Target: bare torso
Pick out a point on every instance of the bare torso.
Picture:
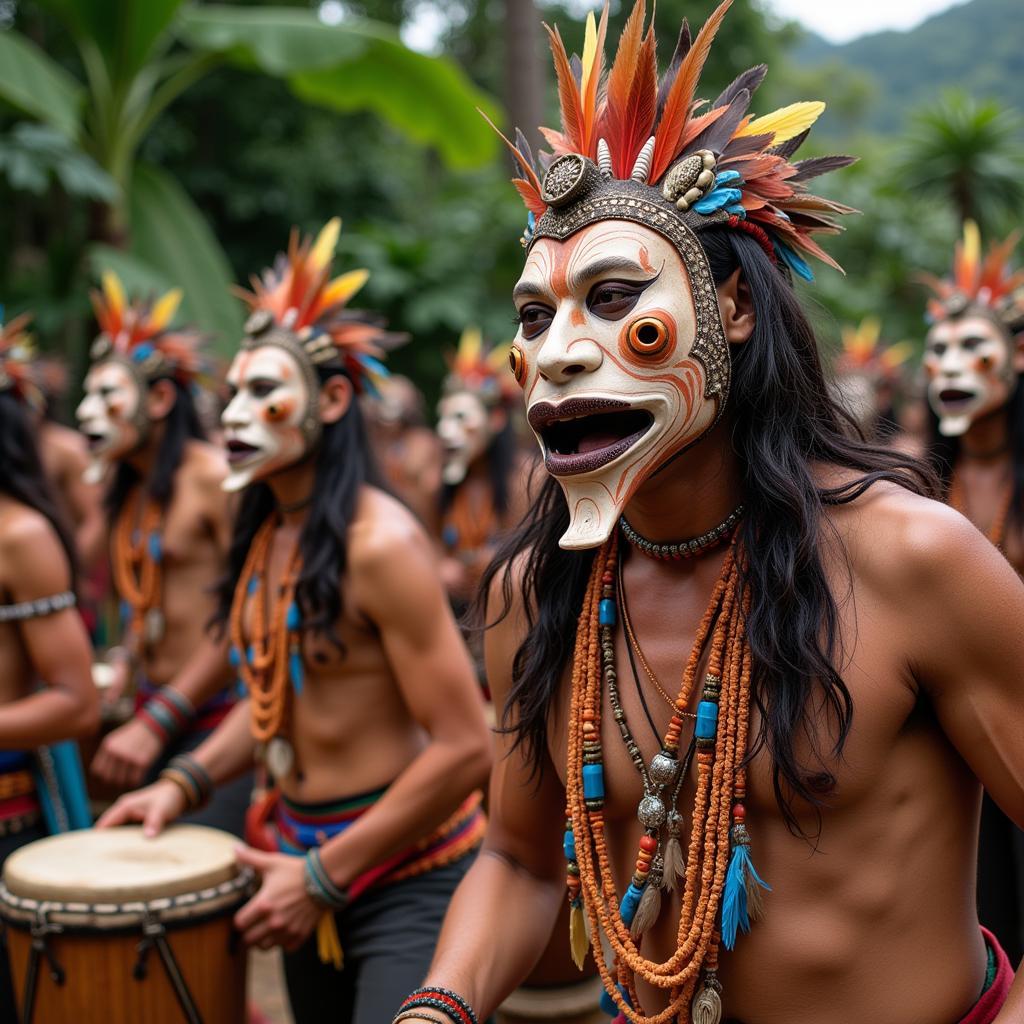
(193, 553)
(873, 919)
(352, 729)
(16, 676)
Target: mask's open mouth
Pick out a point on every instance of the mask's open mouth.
(239, 451)
(95, 441)
(954, 397)
(581, 435)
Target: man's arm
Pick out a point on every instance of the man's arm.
(395, 585)
(57, 645)
(969, 657)
(501, 917)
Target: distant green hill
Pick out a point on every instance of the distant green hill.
(976, 46)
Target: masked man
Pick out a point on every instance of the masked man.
(973, 358)
(728, 635)
(867, 379)
(169, 535)
(42, 637)
(484, 477)
(361, 701)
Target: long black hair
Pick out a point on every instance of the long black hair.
(944, 451)
(181, 425)
(783, 421)
(343, 465)
(501, 457)
(21, 471)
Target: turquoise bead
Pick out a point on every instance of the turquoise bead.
(707, 720)
(630, 902)
(606, 612)
(156, 551)
(234, 657)
(294, 620)
(593, 782)
(569, 845)
(296, 670)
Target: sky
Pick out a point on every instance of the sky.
(839, 20)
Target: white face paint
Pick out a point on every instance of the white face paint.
(464, 427)
(612, 391)
(969, 364)
(262, 422)
(108, 415)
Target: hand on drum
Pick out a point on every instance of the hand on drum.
(155, 806)
(126, 755)
(280, 914)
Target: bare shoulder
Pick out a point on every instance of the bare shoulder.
(384, 533)
(69, 443)
(30, 550)
(205, 463)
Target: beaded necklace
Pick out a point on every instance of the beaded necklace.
(270, 665)
(136, 562)
(997, 531)
(669, 551)
(719, 892)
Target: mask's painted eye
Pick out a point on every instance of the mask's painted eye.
(612, 300)
(648, 337)
(534, 320)
(517, 362)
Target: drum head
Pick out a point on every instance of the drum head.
(120, 865)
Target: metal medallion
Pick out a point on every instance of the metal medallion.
(651, 812)
(280, 757)
(153, 626)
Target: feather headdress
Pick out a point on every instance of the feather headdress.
(864, 351)
(296, 298)
(709, 164)
(18, 361)
(485, 372)
(139, 332)
(985, 282)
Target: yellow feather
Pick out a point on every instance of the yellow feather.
(113, 290)
(785, 123)
(325, 244)
(342, 288)
(589, 52)
(870, 330)
(164, 309)
(972, 245)
(470, 345)
(898, 354)
(497, 358)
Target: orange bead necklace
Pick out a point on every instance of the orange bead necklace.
(136, 556)
(997, 531)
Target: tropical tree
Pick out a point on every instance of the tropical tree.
(968, 153)
(138, 56)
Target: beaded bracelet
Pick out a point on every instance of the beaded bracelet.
(444, 999)
(420, 1015)
(167, 714)
(190, 777)
(319, 887)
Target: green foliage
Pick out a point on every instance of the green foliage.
(37, 86)
(32, 156)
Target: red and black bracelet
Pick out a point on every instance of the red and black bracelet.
(450, 1003)
(167, 714)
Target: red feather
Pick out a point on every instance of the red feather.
(568, 92)
(697, 124)
(531, 196)
(680, 98)
(632, 94)
(528, 172)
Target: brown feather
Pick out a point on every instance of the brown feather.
(681, 95)
(815, 165)
(667, 79)
(528, 172)
(568, 91)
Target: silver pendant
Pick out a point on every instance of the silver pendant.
(651, 811)
(280, 757)
(663, 769)
(153, 626)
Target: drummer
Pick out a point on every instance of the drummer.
(169, 535)
(362, 699)
(42, 637)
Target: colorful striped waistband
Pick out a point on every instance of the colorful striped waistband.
(208, 716)
(303, 826)
(19, 800)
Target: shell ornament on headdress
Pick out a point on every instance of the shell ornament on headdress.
(296, 305)
(864, 351)
(18, 361)
(986, 284)
(481, 371)
(138, 333)
(639, 148)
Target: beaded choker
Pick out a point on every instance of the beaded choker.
(676, 550)
(720, 889)
(270, 665)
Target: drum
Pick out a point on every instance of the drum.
(557, 991)
(109, 927)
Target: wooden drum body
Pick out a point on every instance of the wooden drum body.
(108, 927)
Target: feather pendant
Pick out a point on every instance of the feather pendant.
(681, 94)
(675, 866)
(741, 874)
(648, 911)
(579, 943)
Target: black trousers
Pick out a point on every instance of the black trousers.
(8, 844)
(388, 936)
